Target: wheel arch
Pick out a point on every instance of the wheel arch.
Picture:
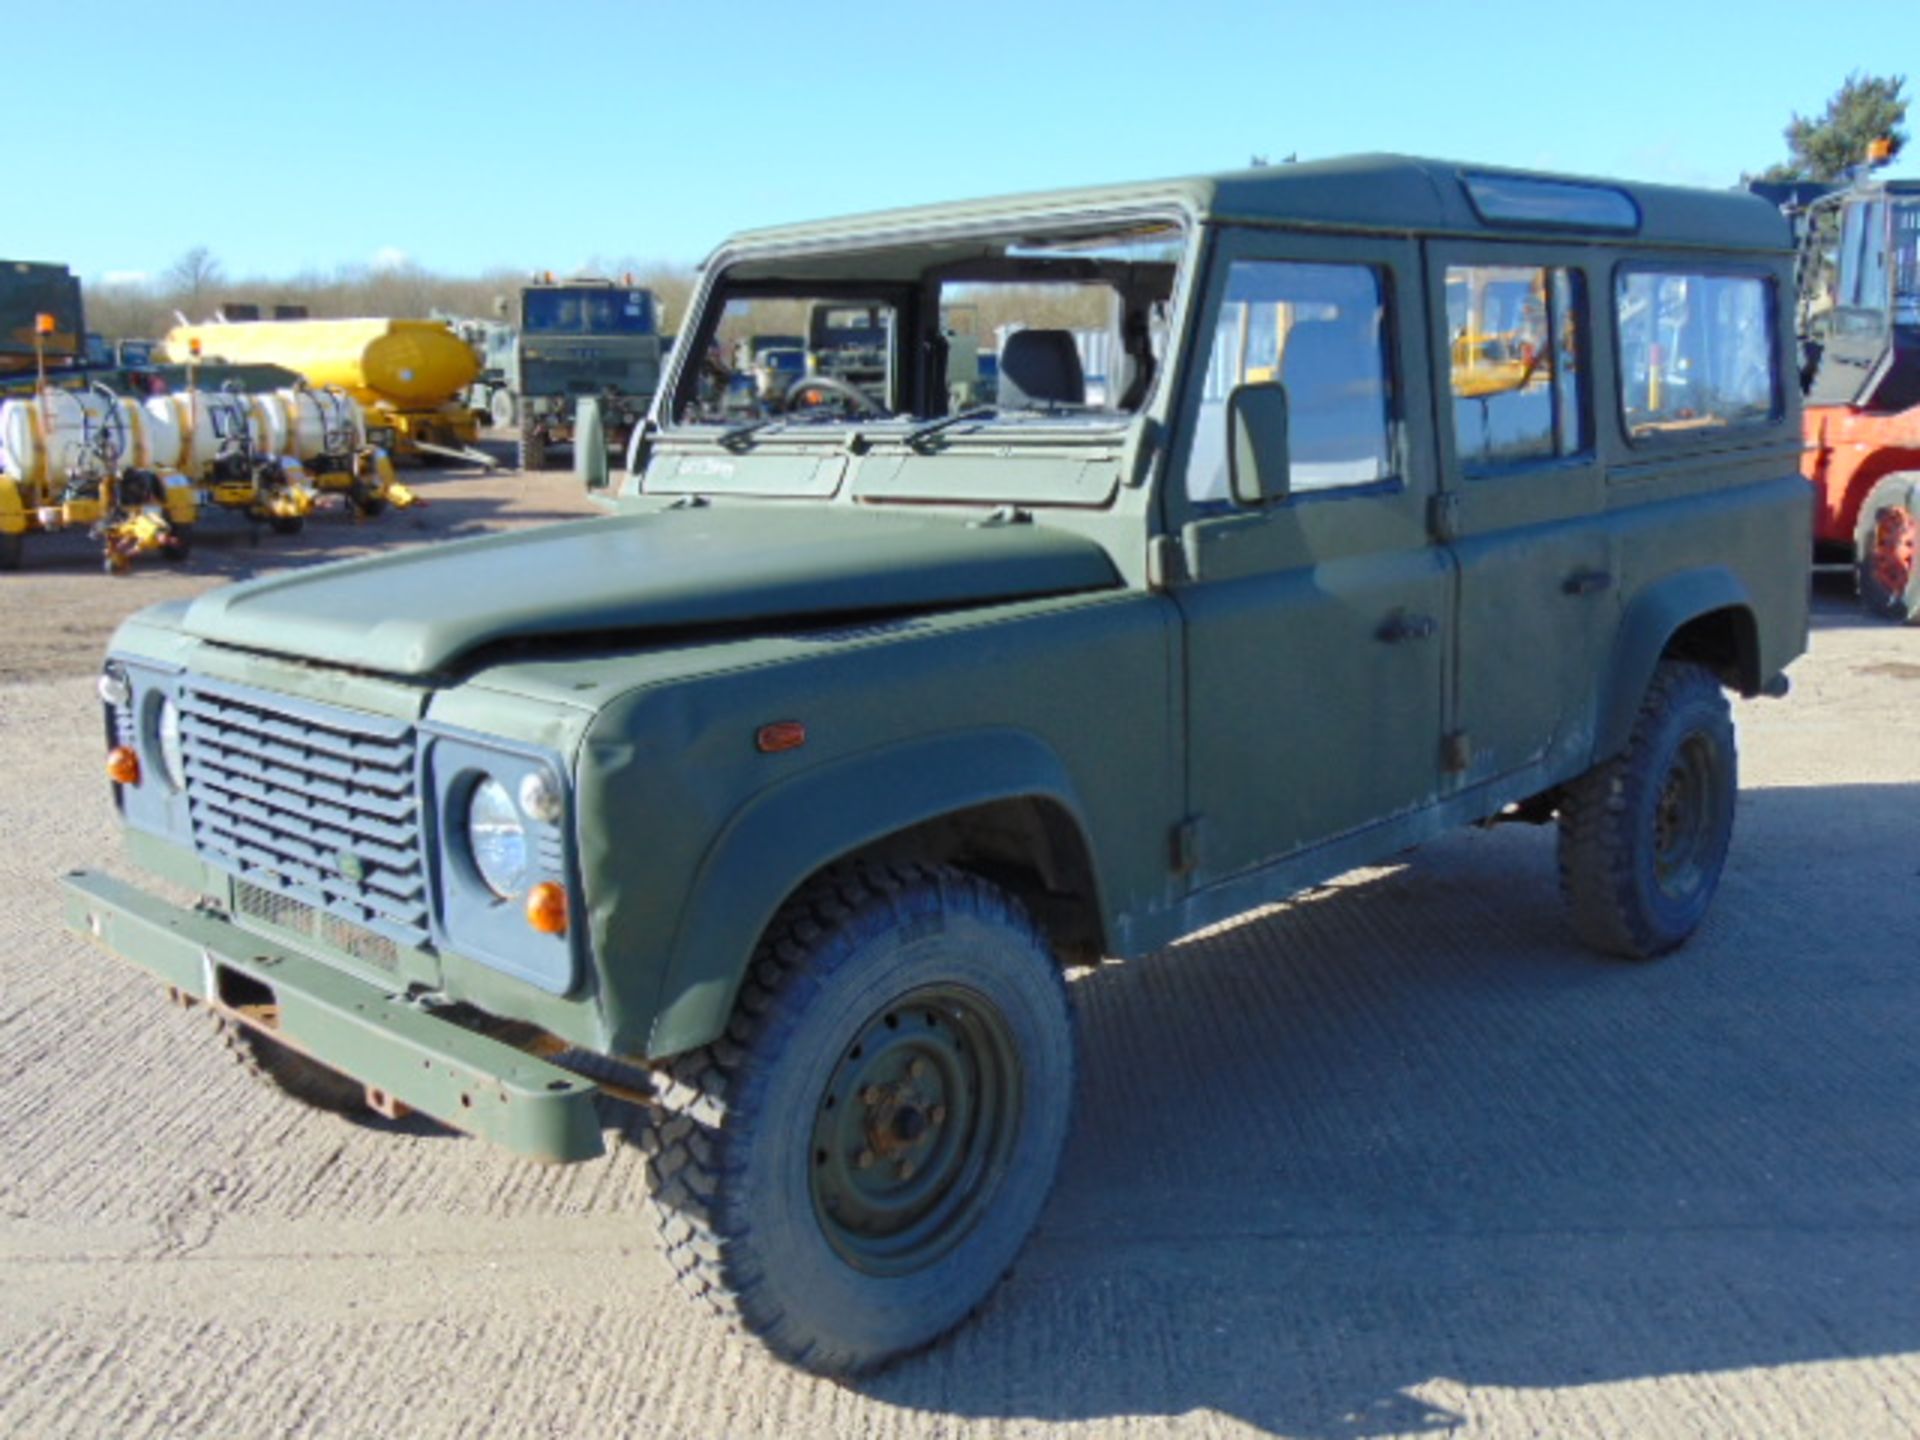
(1704, 615)
(999, 803)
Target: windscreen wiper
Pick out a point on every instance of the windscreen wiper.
(732, 438)
(921, 433)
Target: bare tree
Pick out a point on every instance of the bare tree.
(193, 277)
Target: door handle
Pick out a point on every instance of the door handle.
(1587, 582)
(1401, 626)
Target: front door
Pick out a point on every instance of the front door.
(1317, 628)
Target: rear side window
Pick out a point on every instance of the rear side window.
(1515, 336)
(1321, 331)
(1696, 351)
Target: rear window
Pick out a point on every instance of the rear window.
(1697, 351)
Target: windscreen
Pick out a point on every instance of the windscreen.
(595, 311)
(1070, 327)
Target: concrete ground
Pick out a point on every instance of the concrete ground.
(1394, 1158)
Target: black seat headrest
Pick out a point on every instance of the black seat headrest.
(1041, 366)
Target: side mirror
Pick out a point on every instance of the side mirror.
(1258, 462)
(590, 446)
(500, 306)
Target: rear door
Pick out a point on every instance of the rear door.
(1539, 594)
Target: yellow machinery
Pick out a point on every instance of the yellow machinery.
(72, 460)
(407, 374)
(266, 455)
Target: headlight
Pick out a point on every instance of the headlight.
(173, 759)
(497, 839)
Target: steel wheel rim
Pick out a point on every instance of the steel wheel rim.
(1683, 819)
(913, 1130)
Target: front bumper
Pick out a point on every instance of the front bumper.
(429, 1064)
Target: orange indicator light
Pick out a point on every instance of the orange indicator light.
(780, 736)
(43, 324)
(547, 908)
(123, 766)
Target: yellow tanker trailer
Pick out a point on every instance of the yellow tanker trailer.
(407, 374)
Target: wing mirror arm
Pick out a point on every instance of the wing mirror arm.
(1258, 460)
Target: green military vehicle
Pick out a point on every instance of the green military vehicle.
(783, 796)
(567, 340)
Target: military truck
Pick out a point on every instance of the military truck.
(569, 339)
(782, 798)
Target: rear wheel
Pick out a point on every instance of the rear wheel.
(290, 1072)
(12, 548)
(848, 1174)
(1644, 836)
(1887, 548)
(179, 544)
(286, 524)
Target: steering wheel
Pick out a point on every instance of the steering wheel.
(856, 399)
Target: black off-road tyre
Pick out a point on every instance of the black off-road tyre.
(12, 549)
(179, 545)
(771, 1203)
(533, 449)
(1644, 836)
(290, 1072)
(286, 524)
(1885, 541)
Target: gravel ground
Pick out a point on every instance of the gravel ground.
(1393, 1158)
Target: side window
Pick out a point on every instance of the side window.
(1696, 351)
(1515, 335)
(1321, 331)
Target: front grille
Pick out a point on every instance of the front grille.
(310, 804)
(274, 908)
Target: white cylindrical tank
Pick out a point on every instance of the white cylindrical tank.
(321, 422)
(50, 434)
(199, 424)
(159, 437)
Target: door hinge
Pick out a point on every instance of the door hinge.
(1456, 752)
(1183, 850)
(1443, 517)
(1166, 562)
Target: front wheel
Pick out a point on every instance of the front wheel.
(12, 548)
(850, 1172)
(1644, 836)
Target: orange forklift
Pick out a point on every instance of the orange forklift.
(1858, 315)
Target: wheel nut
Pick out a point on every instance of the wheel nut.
(870, 1095)
(864, 1160)
(918, 1069)
(938, 1114)
(904, 1169)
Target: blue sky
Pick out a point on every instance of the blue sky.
(464, 137)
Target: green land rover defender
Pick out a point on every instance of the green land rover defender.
(779, 800)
